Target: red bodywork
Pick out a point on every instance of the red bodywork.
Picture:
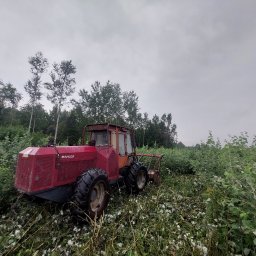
(49, 172)
(43, 168)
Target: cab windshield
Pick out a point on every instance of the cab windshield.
(99, 137)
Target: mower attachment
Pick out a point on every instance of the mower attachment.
(153, 164)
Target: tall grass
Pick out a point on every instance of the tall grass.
(205, 205)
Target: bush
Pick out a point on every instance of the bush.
(11, 132)
(174, 160)
(231, 200)
(39, 139)
(9, 149)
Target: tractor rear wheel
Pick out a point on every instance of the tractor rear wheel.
(91, 195)
(136, 178)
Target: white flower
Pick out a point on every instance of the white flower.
(205, 250)
(119, 245)
(17, 233)
(70, 242)
(61, 212)
(76, 229)
(39, 217)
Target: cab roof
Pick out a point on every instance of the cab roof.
(106, 126)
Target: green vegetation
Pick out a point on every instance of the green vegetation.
(211, 212)
(101, 104)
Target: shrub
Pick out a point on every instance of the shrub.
(231, 200)
(11, 132)
(9, 148)
(174, 160)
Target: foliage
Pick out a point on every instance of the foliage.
(163, 220)
(9, 99)
(9, 95)
(130, 103)
(41, 119)
(61, 86)
(208, 157)
(11, 132)
(103, 103)
(232, 197)
(107, 103)
(39, 65)
(12, 141)
(9, 148)
(159, 132)
(209, 213)
(62, 82)
(38, 139)
(175, 161)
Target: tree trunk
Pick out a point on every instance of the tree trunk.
(57, 125)
(31, 116)
(143, 137)
(34, 125)
(11, 115)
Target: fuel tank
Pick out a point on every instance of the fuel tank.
(44, 168)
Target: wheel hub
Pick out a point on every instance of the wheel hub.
(97, 196)
(141, 179)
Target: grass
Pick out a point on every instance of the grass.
(164, 220)
(211, 212)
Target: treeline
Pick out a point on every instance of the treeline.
(103, 103)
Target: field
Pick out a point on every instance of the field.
(205, 205)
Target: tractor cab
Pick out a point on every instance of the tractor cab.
(119, 138)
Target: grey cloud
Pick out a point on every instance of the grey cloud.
(195, 59)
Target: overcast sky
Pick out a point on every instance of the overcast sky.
(195, 59)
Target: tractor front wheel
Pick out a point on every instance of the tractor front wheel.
(91, 195)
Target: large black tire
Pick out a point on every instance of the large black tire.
(136, 178)
(91, 195)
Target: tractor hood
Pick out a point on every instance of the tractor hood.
(42, 168)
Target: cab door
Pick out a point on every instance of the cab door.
(118, 141)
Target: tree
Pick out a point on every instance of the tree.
(72, 130)
(61, 86)
(103, 103)
(1, 95)
(39, 64)
(130, 103)
(40, 120)
(157, 131)
(9, 97)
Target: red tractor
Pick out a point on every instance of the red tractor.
(83, 174)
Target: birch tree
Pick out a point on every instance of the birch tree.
(62, 85)
(39, 64)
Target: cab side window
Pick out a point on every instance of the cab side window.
(121, 144)
(128, 143)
